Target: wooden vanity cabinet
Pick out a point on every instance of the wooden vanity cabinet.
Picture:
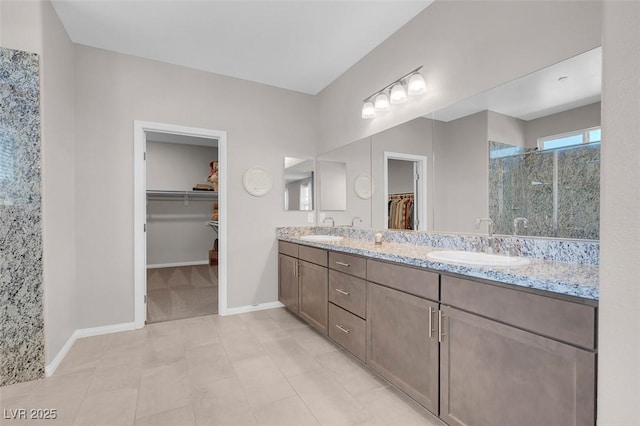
(402, 337)
(474, 352)
(314, 302)
(303, 282)
(288, 286)
(494, 371)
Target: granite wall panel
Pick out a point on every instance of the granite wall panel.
(21, 319)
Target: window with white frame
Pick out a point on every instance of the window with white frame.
(563, 140)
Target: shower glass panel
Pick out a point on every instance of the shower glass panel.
(557, 190)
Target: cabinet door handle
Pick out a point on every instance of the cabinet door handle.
(295, 271)
(346, 265)
(341, 291)
(440, 326)
(341, 328)
(431, 312)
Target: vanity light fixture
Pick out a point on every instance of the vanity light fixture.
(416, 84)
(398, 94)
(382, 102)
(410, 84)
(368, 110)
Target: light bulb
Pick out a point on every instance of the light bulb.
(382, 102)
(398, 94)
(368, 111)
(416, 85)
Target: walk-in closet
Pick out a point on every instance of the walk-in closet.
(181, 226)
(402, 184)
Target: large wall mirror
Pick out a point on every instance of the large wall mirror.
(529, 148)
(298, 184)
(342, 185)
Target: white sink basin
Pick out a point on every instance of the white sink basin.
(321, 238)
(476, 259)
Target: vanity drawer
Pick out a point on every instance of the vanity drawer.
(290, 249)
(349, 264)
(348, 292)
(348, 330)
(404, 278)
(562, 320)
(313, 255)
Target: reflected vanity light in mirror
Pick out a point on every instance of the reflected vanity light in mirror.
(298, 184)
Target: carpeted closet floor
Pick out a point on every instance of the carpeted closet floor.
(181, 292)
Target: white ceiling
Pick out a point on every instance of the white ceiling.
(300, 45)
(540, 93)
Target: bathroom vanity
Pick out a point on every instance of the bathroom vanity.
(465, 343)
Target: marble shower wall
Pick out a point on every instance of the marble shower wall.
(21, 319)
(524, 185)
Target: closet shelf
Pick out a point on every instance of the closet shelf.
(186, 196)
(201, 194)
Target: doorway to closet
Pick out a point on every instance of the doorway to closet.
(179, 185)
(405, 191)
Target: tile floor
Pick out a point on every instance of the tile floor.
(260, 368)
(181, 292)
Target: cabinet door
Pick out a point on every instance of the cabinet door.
(314, 295)
(399, 347)
(495, 374)
(288, 282)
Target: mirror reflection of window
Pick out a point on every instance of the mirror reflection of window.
(305, 196)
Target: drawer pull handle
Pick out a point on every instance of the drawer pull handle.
(440, 326)
(341, 291)
(346, 265)
(341, 328)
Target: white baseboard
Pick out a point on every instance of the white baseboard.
(127, 326)
(176, 264)
(79, 334)
(251, 308)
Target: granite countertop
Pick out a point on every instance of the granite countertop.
(572, 279)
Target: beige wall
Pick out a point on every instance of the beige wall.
(562, 122)
(461, 173)
(619, 317)
(263, 125)
(357, 157)
(21, 25)
(178, 167)
(505, 129)
(466, 47)
(58, 185)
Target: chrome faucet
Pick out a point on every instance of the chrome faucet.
(354, 220)
(517, 220)
(489, 230)
(333, 222)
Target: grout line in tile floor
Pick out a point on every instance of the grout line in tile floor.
(259, 368)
